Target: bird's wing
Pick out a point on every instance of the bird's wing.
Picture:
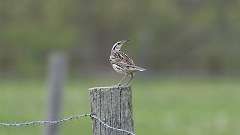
(125, 59)
(138, 68)
(128, 67)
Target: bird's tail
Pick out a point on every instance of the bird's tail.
(139, 68)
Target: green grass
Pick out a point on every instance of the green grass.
(170, 106)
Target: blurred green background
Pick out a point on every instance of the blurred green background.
(190, 48)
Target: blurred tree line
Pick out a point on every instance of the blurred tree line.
(166, 35)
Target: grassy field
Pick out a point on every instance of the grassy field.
(170, 106)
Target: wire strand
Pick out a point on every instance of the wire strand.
(42, 123)
(61, 121)
(108, 126)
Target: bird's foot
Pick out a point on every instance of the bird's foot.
(124, 85)
(121, 85)
(118, 85)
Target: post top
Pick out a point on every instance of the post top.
(109, 87)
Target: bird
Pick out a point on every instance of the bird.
(122, 63)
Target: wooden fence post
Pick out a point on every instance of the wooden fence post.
(113, 105)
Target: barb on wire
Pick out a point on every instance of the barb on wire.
(108, 126)
(43, 123)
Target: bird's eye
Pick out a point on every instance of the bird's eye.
(118, 43)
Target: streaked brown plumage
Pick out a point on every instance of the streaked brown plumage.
(122, 63)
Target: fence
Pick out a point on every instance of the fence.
(59, 122)
(111, 107)
(102, 104)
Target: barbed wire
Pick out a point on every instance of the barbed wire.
(106, 125)
(61, 121)
(43, 123)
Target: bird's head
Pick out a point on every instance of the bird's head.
(117, 46)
